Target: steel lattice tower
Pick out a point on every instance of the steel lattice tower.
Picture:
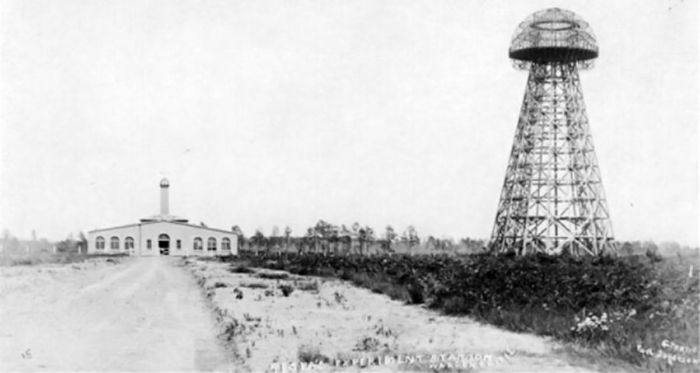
(552, 199)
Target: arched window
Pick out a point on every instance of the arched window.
(114, 243)
(100, 243)
(225, 244)
(197, 245)
(129, 243)
(211, 244)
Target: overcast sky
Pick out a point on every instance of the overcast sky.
(266, 113)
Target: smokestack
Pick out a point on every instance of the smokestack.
(164, 204)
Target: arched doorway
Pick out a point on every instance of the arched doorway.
(164, 244)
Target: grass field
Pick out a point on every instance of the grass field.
(640, 309)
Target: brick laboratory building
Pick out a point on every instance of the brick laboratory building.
(162, 234)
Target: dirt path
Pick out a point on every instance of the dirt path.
(140, 314)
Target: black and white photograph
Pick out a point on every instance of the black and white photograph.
(294, 186)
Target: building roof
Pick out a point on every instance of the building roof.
(159, 217)
(161, 221)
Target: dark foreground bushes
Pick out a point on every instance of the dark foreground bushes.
(635, 308)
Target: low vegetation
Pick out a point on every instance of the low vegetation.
(643, 309)
(254, 285)
(47, 258)
(241, 269)
(273, 276)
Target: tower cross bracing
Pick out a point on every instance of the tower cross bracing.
(552, 198)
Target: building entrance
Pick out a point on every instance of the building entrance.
(164, 244)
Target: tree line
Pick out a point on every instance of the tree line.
(327, 238)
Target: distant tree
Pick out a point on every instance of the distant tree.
(472, 246)
(410, 236)
(334, 238)
(669, 248)
(323, 232)
(69, 245)
(258, 240)
(430, 243)
(5, 240)
(310, 240)
(652, 251)
(82, 242)
(345, 239)
(240, 236)
(287, 237)
(626, 249)
(389, 237)
(650, 246)
(10, 242)
(365, 236)
(275, 231)
(355, 236)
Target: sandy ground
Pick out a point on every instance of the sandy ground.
(138, 314)
(150, 314)
(342, 322)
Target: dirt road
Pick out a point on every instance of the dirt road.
(139, 314)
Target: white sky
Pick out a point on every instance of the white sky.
(267, 113)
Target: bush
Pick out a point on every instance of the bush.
(308, 286)
(241, 269)
(311, 354)
(238, 293)
(286, 289)
(254, 285)
(273, 276)
(367, 344)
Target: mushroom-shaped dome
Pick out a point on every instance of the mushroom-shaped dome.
(164, 183)
(553, 35)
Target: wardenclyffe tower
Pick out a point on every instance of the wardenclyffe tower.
(552, 198)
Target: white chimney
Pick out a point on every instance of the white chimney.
(164, 204)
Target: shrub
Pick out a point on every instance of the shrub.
(232, 329)
(241, 269)
(286, 289)
(339, 298)
(311, 354)
(273, 276)
(368, 344)
(254, 285)
(308, 286)
(238, 293)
